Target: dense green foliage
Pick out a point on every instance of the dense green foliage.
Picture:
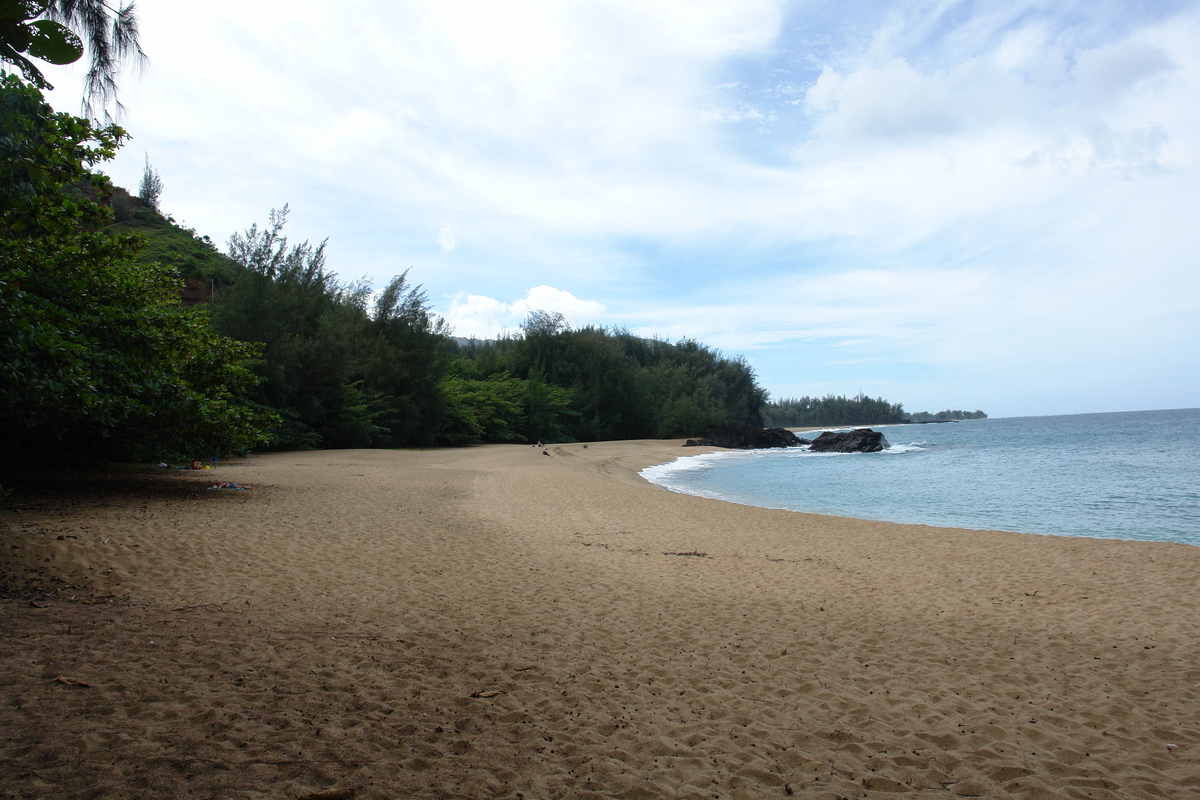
(804, 412)
(340, 373)
(97, 355)
(343, 372)
(343, 366)
(594, 384)
(944, 416)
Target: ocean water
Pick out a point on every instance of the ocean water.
(1123, 475)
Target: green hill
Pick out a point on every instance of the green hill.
(196, 258)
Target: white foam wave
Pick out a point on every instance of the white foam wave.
(912, 447)
(661, 472)
(663, 475)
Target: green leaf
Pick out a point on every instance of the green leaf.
(54, 43)
(17, 35)
(28, 68)
(22, 9)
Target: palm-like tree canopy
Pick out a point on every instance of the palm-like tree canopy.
(110, 39)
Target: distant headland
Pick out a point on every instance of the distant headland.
(835, 410)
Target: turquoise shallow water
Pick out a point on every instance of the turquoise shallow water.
(1123, 475)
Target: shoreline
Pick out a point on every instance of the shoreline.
(1021, 488)
(488, 621)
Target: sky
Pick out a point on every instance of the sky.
(948, 204)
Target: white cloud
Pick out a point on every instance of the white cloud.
(547, 298)
(446, 239)
(479, 317)
(730, 115)
(485, 317)
(890, 101)
(1106, 74)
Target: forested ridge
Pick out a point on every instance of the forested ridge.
(831, 410)
(346, 366)
(296, 357)
(797, 412)
(948, 415)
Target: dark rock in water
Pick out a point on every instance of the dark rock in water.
(745, 437)
(860, 440)
(778, 437)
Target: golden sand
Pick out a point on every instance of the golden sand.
(492, 622)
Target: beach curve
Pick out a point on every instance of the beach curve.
(490, 621)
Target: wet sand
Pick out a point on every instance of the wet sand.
(492, 622)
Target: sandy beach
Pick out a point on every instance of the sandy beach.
(490, 622)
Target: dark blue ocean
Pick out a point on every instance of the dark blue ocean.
(1123, 475)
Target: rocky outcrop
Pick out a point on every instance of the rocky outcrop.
(860, 440)
(745, 437)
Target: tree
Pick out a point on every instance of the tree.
(341, 374)
(401, 357)
(152, 186)
(591, 384)
(793, 412)
(544, 323)
(110, 37)
(280, 302)
(97, 355)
